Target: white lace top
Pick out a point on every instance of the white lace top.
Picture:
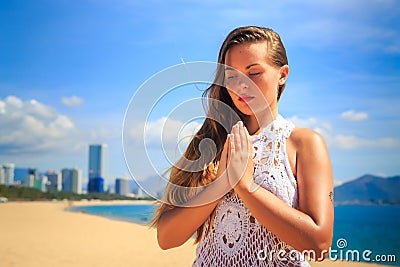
(235, 237)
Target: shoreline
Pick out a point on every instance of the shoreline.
(79, 207)
(75, 203)
(45, 233)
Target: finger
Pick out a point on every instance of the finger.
(249, 141)
(243, 137)
(224, 153)
(228, 149)
(232, 138)
(237, 139)
(222, 162)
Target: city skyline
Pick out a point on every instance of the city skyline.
(65, 179)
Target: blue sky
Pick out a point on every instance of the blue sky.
(69, 68)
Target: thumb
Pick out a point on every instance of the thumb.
(224, 154)
(222, 162)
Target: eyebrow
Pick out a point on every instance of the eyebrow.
(248, 67)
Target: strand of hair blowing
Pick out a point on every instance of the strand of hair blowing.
(217, 124)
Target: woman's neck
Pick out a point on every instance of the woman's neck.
(254, 124)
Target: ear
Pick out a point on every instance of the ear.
(284, 72)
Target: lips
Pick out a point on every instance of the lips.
(245, 98)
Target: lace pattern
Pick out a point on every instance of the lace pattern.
(235, 237)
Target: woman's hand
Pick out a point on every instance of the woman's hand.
(217, 181)
(221, 166)
(240, 162)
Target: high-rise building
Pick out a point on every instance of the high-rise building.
(34, 172)
(20, 174)
(97, 161)
(2, 177)
(8, 169)
(71, 180)
(29, 180)
(54, 181)
(41, 183)
(122, 186)
(140, 193)
(96, 185)
(97, 167)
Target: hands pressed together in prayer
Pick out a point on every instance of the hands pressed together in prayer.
(237, 158)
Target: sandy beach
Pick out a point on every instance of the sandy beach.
(44, 234)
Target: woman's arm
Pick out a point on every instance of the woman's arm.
(177, 225)
(310, 227)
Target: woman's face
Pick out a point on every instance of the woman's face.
(252, 81)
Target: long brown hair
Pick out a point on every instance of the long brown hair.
(217, 123)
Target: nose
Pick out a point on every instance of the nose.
(238, 83)
(242, 84)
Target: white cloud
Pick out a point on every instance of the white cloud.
(312, 123)
(33, 127)
(72, 101)
(39, 110)
(175, 135)
(2, 107)
(354, 142)
(13, 101)
(304, 123)
(352, 115)
(342, 141)
(167, 130)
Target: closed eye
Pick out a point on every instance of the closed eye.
(254, 73)
(229, 77)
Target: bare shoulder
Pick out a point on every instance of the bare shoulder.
(304, 138)
(312, 158)
(305, 146)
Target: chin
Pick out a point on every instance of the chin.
(245, 110)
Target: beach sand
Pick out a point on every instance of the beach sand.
(44, 234)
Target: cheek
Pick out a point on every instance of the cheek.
(232, 90)
(232, 94)
(268, 88)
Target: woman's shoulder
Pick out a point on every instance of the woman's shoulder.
(304, 138)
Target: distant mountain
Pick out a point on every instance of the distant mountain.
(369, 190)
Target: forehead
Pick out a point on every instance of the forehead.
(243, 55)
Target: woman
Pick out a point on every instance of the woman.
(281, 198)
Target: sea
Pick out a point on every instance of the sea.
(361, 233)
